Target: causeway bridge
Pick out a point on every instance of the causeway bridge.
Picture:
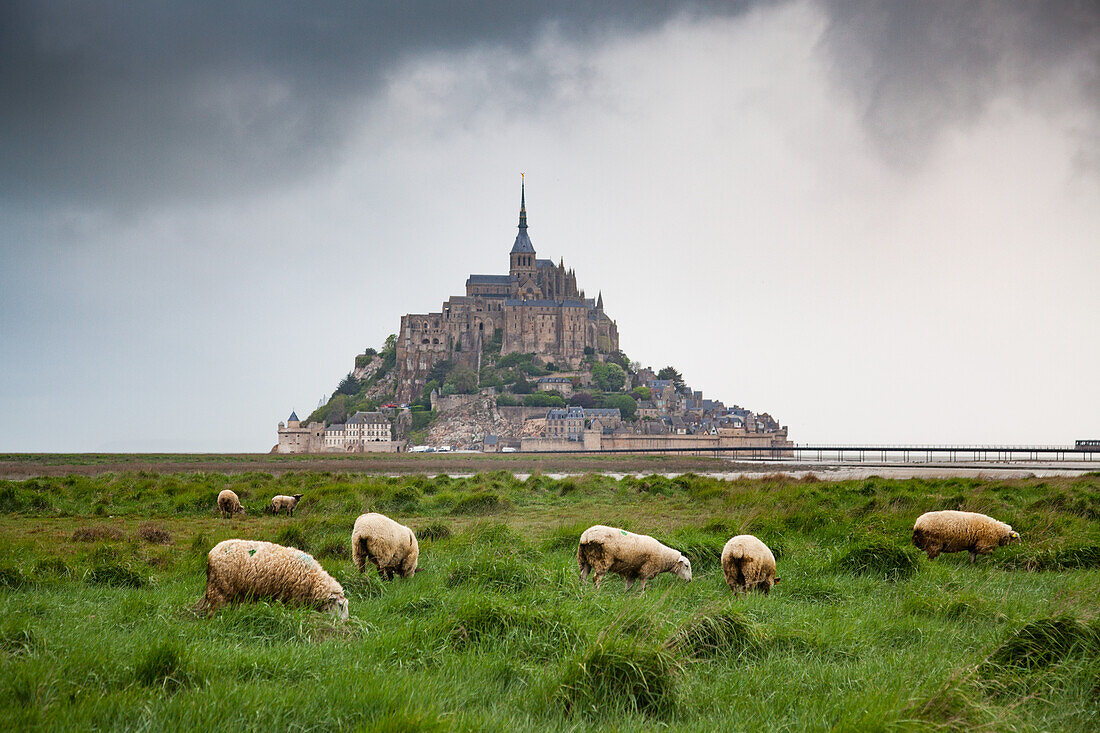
(886, 454)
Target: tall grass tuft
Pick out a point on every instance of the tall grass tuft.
(616, 676)
(498, 574)
(12, 577)
(154, 534)
(162, 666)
(433, 531)
(293, 536)
(727, 633)
(881, 559)
(115, 576)
(96, 533)
(1045, 642)
(480, 503)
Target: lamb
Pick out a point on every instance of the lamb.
(284, 502)
(229, 504)
(240, 570)
(952, 531)
(610, 549)
(748, 565)
(391, 546)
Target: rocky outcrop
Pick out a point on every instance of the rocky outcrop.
(468, 423)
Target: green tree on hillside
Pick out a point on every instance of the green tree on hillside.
(462, 380)
(674, 376)
(582, 399)
(600, 376)
(626, 404)
(349, 385)
(541, 399)
(616, 377)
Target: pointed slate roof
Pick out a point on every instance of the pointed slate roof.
(523, 242)
(293, 416)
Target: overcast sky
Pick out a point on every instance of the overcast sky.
(877, 221)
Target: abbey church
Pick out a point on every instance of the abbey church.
(535, 308)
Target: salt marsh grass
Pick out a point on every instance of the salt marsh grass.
(497, 633)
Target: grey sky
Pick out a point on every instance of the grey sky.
(881, 219)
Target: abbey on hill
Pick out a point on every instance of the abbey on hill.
(535, 308)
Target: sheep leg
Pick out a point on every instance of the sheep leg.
(599, 577)
(641, 588)
(973, 555)
(585, 570)
(629, 583)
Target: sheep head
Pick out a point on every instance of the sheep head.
(682, 568)
(337, 605)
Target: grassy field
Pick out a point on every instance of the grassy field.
(97, 575)
(30, 465)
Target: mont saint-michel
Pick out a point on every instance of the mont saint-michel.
(521, 361)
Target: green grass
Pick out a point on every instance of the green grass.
(97, 576)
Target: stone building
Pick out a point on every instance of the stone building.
(297, 438)
(570, 422)
(364, 432)
(535, 308)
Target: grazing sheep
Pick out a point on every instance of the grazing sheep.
(748, 565)
(392, 547)
(240, 570)
(633, 556)
(229, 504)
(951, 531)
(282, 501)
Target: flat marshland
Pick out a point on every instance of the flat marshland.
(98, 574)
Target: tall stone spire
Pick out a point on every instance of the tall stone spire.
(523, 242)
(599, 302)
(522, 203)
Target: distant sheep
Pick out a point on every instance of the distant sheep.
(952, 531)
(748, 565)
(634, 556)
(280, 502)
(391, 546)
(229, 504)
(241, 570)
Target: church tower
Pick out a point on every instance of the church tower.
(522, 266)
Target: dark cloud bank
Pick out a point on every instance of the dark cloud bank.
(115, 103)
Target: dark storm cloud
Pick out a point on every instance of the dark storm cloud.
(130, 102)
(119, 100)
(918, 68)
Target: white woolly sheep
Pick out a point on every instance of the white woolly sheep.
(634, 556)
(242, 570)
(748, 565)
(391, 546)
(952, 531)
(229, 504)
(280, 502)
